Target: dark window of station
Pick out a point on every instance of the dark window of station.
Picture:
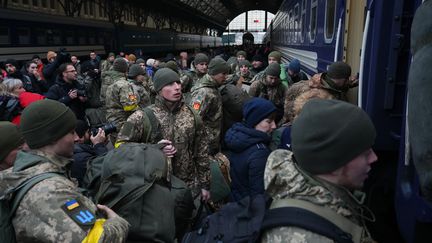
(91, 8)
(330, 14)
(23, 35)
(53, 37)
(44, 3)
(313, 21)
(35, 3)
(41, 37)
(82, 38)
(25, 2)
(92, 38)
(101, 38)
(52, 4)
(70, 37)
(4, 36)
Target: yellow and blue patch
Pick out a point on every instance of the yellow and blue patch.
(72, 204)
(79, 213)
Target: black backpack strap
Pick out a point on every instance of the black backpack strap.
(24, 187)
(154, 124)
(302, 218)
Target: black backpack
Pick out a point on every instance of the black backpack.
(9, 108)
(245, 221)
(10, 201)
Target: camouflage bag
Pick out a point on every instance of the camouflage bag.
(10, 201)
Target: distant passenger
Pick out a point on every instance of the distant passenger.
(257, 64)
(76, 62)
(140, 84)
(199, 69)
(95, 60)
(131, 59)
(118, 71)
(241, 55)
(270, 87)
(54, 62)
(295, 74)
(330, 160)
(336, 81)
(12, 69)
(33, 82)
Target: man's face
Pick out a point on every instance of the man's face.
(201, 67)
(267, 125)
(356, 171)
(70, 74)
(156, 64)
(92, 55)
(111, 59)
(257, 64)
(272, 80)
(142, 65)
(10, 68)
(244, 69)
(140, 78)
(240, 58)
(65, 146)
(220, 78)
(172, 91)
(74, 59)
(272, 60)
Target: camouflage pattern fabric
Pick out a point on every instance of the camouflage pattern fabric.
(121, 101)
(40, 217)
(108, 78)
(207, 101)
(177, 126)
(189, 79)
(283, 179)
(143, 93)
(275, 94)
(106, 66)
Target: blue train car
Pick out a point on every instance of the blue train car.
(374, 38)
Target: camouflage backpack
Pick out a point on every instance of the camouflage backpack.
(10, 201)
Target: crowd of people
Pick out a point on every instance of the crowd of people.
(284, 134)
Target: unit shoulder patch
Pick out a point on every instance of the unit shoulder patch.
(79, 213)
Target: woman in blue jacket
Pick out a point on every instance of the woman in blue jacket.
(247, 144)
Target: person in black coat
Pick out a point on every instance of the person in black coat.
(69, 91)
(87, 147)
(247, 143)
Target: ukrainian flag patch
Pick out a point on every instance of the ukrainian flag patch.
(70, 205)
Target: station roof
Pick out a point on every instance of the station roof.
(215, 13)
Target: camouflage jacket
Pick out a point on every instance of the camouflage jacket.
(106, 66)
(40, 217)
(317, 81)
(178, 126)
(121, 101)
(207, 101)
(283, 179)
(275, 94)
(283, 76)
(143, 93)
(189, 79)
(107, 79)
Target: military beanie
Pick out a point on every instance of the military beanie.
(244, 63)
(10, 139)
(172, 65)
(273, 69)
(294, 66)
(217, 65)
(255, 110)
(140, 60)
(135, 70)
(241, 53)
(46, 121)
(200, 58)
(120, 65)
(339, 70)
(276, 55)
(163, 77)
(111, 54)
(328, 134)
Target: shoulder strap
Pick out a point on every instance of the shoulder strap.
(154, 131)
(343, 224)
(24, 187)
(198, 125)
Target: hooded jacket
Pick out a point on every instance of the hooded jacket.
(39, 216)
(284, 179)
(248, 153)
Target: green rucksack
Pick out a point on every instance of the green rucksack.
(10, 201)
(133, 182)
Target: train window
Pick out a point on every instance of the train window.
(35, 3)
(25, 2)
(4, 36)
(41, 38)
(313, 21)
(52, 4)
(330, 15)
(303, 21)
(296, 24)
(23, 35)
(290, 26)
(44, 3)
(91, 8)
(70, 37)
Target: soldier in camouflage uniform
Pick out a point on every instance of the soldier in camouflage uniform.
(243, 77)
(139, 80)
(190, 78)
(184, 136)
(330, 159)
(336, 81)
(121, 100)
(207, 101)
(274, 57)
(107, 64)
(50, 210)
(270, 87)
(118, 71)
